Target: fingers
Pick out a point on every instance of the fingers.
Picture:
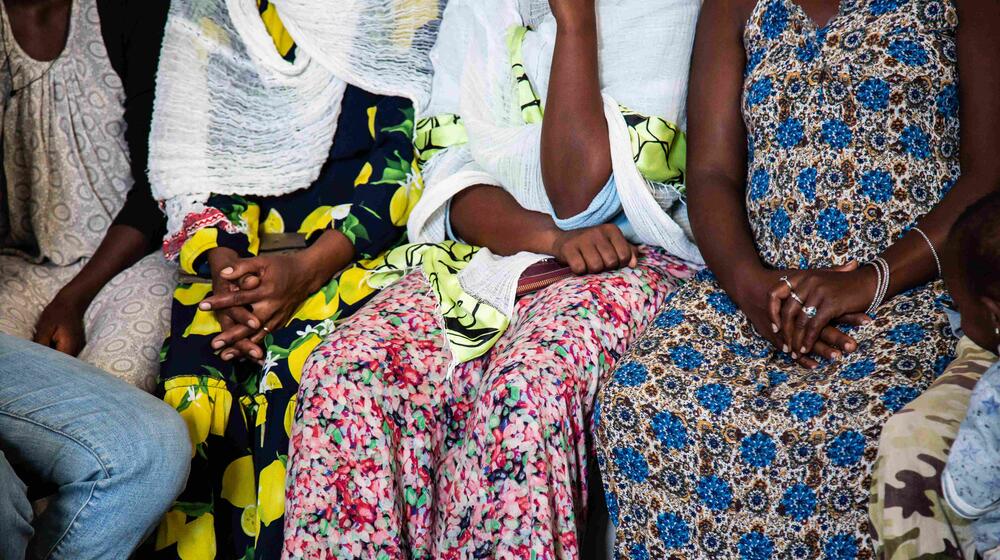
(625, 251)
(832, 336)
(575, 261)
(66, 342)
(609, 254)
(242, 268)
(43, 334)
(829, 352)
(856, 319)
(248, 348)
(242, 316)
(807, 362)
(790, 312)
(232, 299)
(811, 326)
(249, 282)
(592, 256)
(634, 261)
(232, 335)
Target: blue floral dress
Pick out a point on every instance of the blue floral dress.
(713, 444)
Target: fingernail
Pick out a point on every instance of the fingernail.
(218, 344)
(835, 356)
(226, 357)
(204, 306)
(803, 349)
(795, 356)
(774, 328)
(227, 270)
(784, 348)
(255, 353)
(252, 323)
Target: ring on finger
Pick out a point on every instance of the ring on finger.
(810, 311)
(787, 283)
(267, 330)
(796, 297)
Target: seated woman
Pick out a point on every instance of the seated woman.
(909, 513)
(467, 435)
(241, 330)
(77, 220)
(824, 175)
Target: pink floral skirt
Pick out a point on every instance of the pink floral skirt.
(393, 458)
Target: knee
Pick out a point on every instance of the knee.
(15, 509)
(161, 457)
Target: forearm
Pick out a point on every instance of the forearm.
(122, 247)
(490, 217)
(575, 152)
(722, 231)
(911, 260)
(328, 255)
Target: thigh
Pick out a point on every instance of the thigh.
(61, 418)
(25, 289)
(128, 320)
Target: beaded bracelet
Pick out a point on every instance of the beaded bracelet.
(882, 285)
(937, 261)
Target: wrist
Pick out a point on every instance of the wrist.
(582, 21)
(317, 263)
(74, 299)
(745, 282)
(548, 242)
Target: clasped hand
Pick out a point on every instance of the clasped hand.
(252, 297)
(839, 296)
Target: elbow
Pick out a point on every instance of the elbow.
(572, 186)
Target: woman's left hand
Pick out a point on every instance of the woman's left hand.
(841, 294)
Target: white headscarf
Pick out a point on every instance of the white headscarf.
(233, 117)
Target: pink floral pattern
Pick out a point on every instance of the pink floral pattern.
(392, 457)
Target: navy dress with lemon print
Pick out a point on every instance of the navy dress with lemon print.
(239, 413)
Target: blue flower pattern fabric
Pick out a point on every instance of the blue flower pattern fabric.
(713, 444)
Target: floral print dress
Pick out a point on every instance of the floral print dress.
(239, 413)
(713, 444)
(395, 456)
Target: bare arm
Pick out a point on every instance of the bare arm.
(491, 217)
(576, 155)
(911, 262)
(717, 148)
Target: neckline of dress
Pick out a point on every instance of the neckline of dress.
(12, 44)
(811, 21)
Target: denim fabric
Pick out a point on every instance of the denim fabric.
(116, 456)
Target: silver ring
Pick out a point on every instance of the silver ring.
(267, 330)
(787, 282)
(810, 311)
(796, 297)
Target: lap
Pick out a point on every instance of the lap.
(703, 413)
(128, 320)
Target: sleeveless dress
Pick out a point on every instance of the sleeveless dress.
(66, 164)
(713, 444)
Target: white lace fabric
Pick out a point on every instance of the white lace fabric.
(233, 117)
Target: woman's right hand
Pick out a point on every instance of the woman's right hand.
(219, 259)
(594, 249)
(753, 296)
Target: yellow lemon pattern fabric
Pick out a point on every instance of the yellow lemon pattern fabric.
(240, 413)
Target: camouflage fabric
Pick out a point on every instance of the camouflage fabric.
(909, 517)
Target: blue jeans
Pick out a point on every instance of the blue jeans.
(115, 456)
